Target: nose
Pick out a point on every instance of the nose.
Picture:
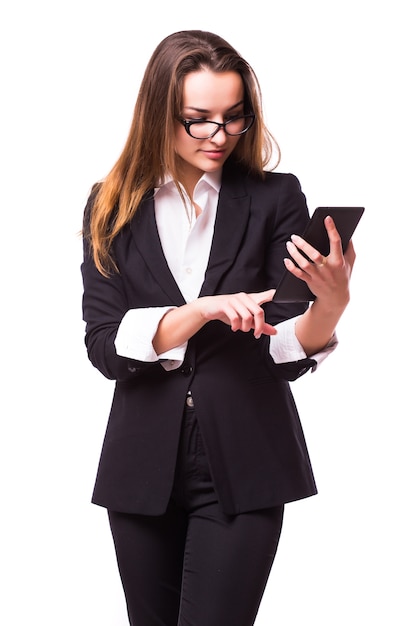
(219, 137)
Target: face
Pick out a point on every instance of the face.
(207, 96)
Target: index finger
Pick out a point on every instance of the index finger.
(263, 296)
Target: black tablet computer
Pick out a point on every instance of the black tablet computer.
(293, 289)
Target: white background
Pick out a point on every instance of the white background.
(338, 82)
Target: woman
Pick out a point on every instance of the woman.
(185, 240)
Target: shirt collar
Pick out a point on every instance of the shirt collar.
(213, 179)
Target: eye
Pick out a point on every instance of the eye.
(232, 117)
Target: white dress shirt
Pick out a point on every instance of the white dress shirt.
(186, 242)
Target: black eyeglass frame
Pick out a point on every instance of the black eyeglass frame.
(188, 123)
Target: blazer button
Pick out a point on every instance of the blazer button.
(187, 370)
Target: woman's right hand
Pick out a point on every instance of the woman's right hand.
(241, 311)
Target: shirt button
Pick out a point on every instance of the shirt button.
(189, 270)
(186, 370)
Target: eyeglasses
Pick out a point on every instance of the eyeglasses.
(205, 129)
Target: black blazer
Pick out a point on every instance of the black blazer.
(245, 409)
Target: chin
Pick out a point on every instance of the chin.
(213, 165)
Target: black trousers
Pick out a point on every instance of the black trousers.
(194, 565)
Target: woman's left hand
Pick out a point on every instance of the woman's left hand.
(327, 277)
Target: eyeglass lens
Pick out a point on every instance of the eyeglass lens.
(235, 126)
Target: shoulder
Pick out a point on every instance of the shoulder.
(278, 195)
(268, 182)
(276, 182)
(88, 209)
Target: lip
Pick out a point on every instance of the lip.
(214, 154)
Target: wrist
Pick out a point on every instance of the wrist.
(332, 308)
(199, 311)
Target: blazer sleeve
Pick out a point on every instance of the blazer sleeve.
(291, 217)
(104, 305)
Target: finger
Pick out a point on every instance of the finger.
(267, 329)
(259, 325)
(243, 312)
(334, 237)
(350, 255)
(307, 257)
(251, 313)
(303, 253)
(235, 319)
(257, 314)
(292, 267)
(263, 296)
(314, 255)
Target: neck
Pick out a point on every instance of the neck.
(189, 177)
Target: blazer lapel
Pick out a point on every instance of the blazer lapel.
(231, 222)
(230, 226)
(146, 238)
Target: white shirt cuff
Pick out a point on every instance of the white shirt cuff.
(284, 347)
(135, 335)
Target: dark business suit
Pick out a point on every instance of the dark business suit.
(243, 403)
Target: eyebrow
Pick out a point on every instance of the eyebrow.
(198, 110)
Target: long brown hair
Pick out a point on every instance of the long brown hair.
(149, 152)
